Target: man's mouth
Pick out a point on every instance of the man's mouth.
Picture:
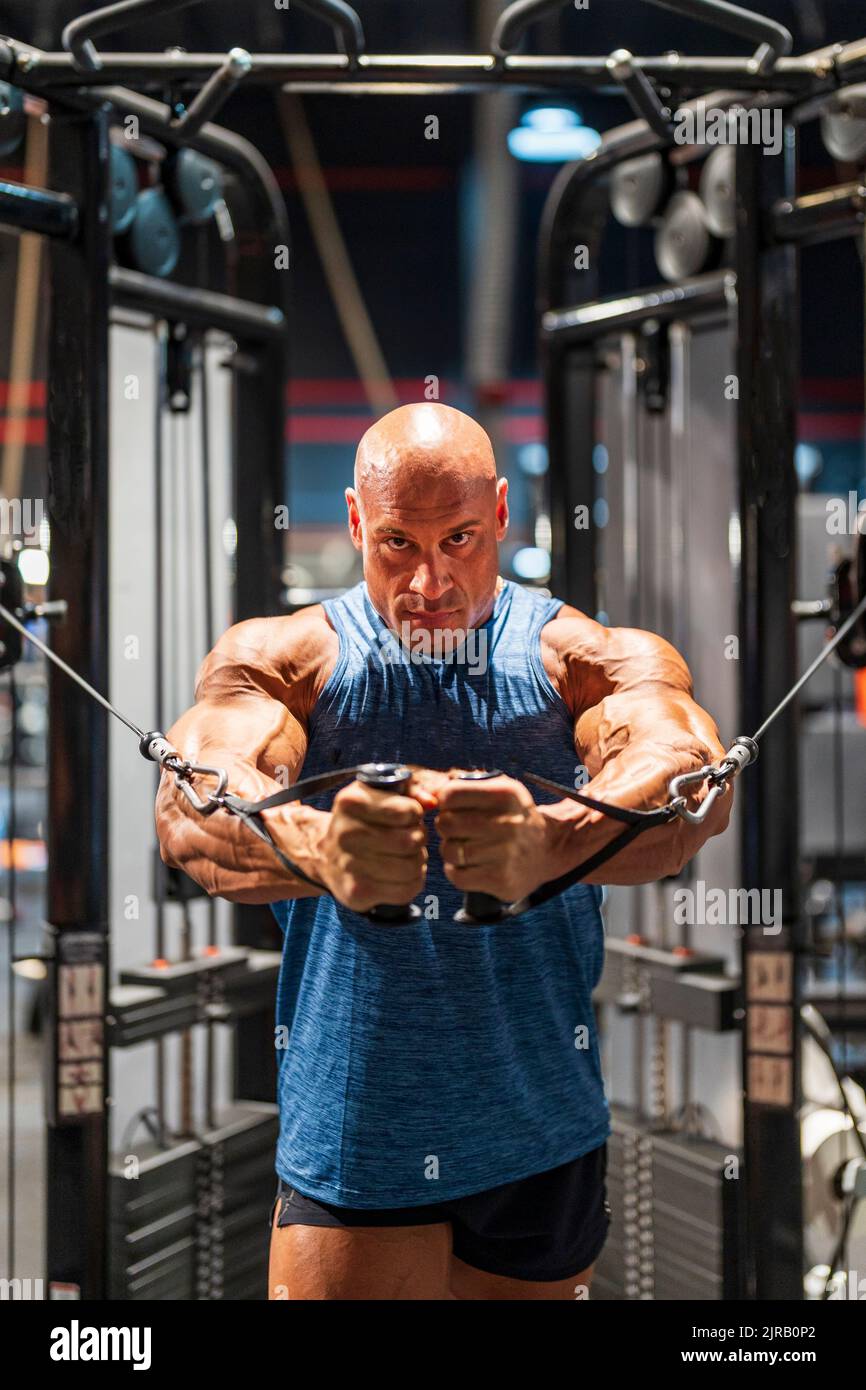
(428, 616)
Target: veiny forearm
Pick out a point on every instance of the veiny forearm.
(260, 746)
(637, 742)
(223, 855)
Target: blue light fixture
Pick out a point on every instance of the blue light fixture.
(552, 135)
(531, 562)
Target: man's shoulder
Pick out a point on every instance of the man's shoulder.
(568, 627)
(298, 645)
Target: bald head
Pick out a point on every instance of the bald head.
(417, 443)
(428, 512)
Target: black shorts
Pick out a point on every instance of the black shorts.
(546, 1227)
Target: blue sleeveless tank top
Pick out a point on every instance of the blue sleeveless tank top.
(426, 1062)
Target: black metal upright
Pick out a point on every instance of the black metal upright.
(260, 486)
(767, 368)
(77, 888)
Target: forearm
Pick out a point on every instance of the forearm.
(639, 744)
(222, 854)
(576, 833)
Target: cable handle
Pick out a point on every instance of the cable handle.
(388, 777)
(478, 907)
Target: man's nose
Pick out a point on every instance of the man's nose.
(431, 580)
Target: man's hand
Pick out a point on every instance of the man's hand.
(494, 838)
(374, 849)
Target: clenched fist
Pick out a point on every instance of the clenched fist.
(375, 847)
(494, 838)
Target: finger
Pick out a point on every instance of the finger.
(501, 793)
(482, 878)
(424, 791)
(475, 825)
(464, 854)
(384, 870)
(430, 779)
(364, 840)
(378, 808)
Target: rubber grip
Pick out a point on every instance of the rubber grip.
(480, 907)
(389, 777)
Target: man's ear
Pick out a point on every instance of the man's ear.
(354, 517)
(502, 516)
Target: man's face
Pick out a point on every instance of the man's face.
(429, 537)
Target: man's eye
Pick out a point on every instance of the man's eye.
(397, 541)
(461, 537)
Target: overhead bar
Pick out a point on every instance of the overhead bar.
(815, 218)
(79, 35)
(586, 321)
(27, 209)
(46, 73)
(774, 39)
(198, 308)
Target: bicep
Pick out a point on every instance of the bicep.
(589, 662)
(655, 716)
(253, 694)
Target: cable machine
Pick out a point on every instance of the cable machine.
(195, 1187)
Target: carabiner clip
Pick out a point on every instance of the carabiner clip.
(214, 798)
(679, 802)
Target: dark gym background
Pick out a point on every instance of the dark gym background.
(421, 220)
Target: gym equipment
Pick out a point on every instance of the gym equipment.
(676, 983)
(196, 184)
(843, 125)
(639, 188)
(684, 244)
(676, 1218)
(13, 121)
(848, 592)
(124, 189)
(186, 1221)
(154, 238)
(718, 191)
(11, 592)
(83, 288)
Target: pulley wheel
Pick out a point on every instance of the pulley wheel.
(196, 184)
(13, 122)
(639, 188)
(827, 1144)
(718, 191)
(844, 136)
(124, 188)
(683, 244)
(154, 238)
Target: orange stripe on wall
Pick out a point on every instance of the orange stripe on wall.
(22, 431)
(27, 395)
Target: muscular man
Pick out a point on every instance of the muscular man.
(443, 1117)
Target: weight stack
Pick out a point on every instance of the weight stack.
(193, 1223)
(236, 1183)
(152, 1223)
(675, 1218)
